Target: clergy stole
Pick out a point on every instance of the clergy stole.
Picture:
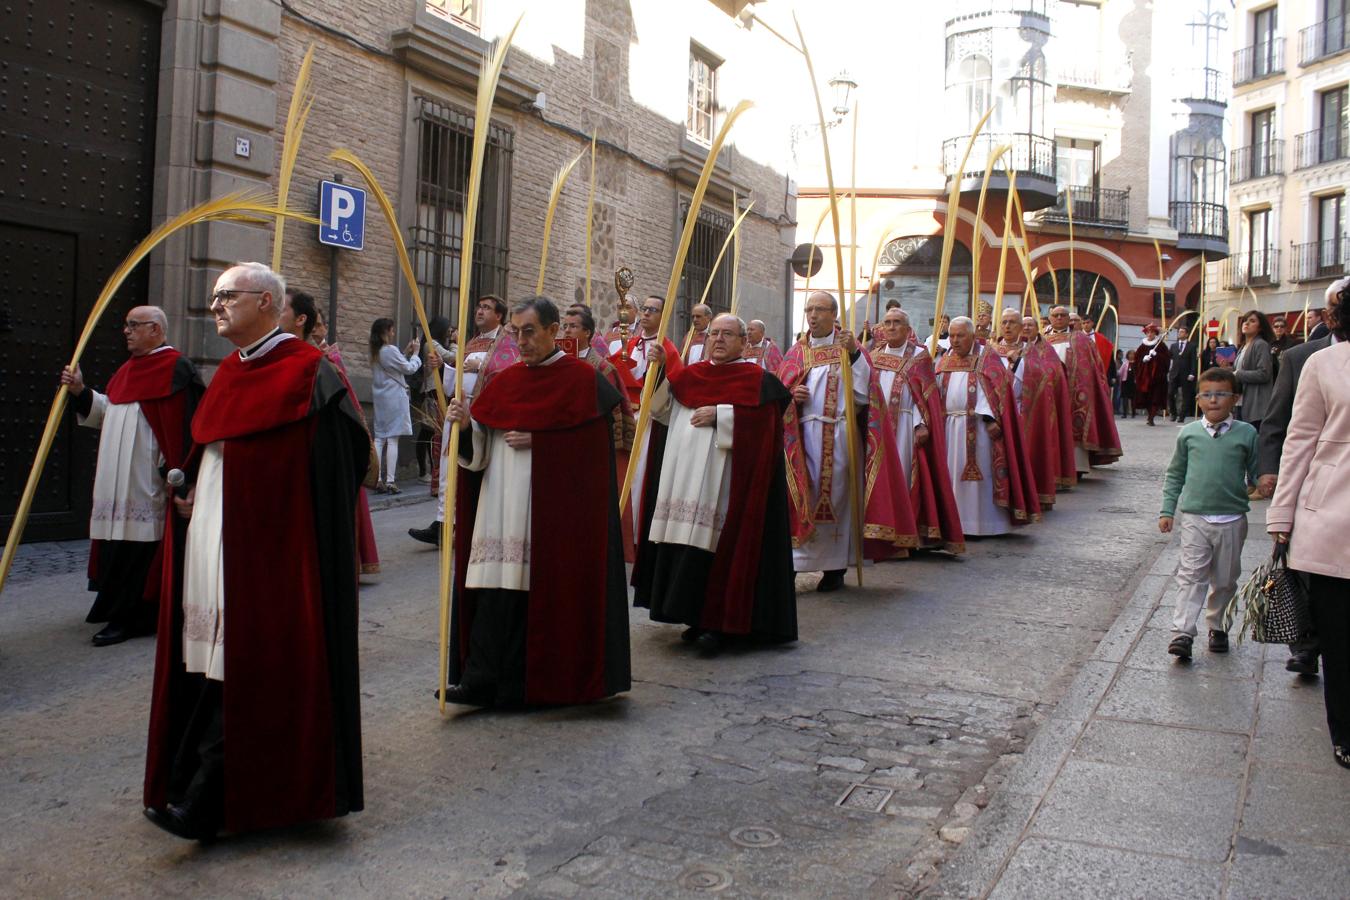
(889, 362)
(831, 355)
(949, 363)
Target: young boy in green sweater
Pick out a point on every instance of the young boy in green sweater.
(1213, 462)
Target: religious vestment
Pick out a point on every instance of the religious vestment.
(1096, 442)
(991, 477)
(717, 549)
(766, 354)
(367, 553)
(490, 352)
(697, 347)
(143, 423)
(625, 425)
(909, 387)
(1105, 349)
(1042, 392)
(540, 607)
(654, 439)
(1152, 361)
(255, 718)
(815, 439)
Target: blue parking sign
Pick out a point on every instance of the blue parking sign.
(342, 215)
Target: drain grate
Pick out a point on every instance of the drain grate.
(756, 836)
(705, 879)
(867, 797)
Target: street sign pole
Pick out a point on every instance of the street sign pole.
(333, 286)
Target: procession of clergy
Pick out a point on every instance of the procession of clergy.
(742, 481)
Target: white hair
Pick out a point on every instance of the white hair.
(759, 323)
(156, 315)
(961, 320)
(1335, 288)
(895, 309)
(261, 278)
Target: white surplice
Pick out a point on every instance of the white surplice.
(830, 547)
(480, 359)
(695, 484)
(974, 499)
(129, 494)
(907, 417)
(499, 554)
(204, 552)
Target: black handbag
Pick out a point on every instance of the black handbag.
(1275, 602)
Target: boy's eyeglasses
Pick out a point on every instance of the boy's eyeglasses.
(1216, 395)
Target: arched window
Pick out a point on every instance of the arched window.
(973, 87)
(1090, 293)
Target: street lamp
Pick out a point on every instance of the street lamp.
(842, 85)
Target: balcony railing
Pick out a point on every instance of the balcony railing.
(1260, 60)
(1326, 38)
(1256, 161)
(965, 9)
(1202, 84)
(1252, 269)
(1196, 219)
(1312, 148)
(1031, 154)
(1094, 73)
(1320, 260)
(1099, 207)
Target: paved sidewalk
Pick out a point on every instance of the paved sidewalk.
(1157, 779)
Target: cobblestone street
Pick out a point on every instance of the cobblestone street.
(850, 764)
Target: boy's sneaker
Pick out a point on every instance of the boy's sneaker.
(1218, 641)
(1181, 647)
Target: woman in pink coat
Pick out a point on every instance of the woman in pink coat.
(1311, 509)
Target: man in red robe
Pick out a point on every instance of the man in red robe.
(540, 613)
(255, 718)
(760, 348)
(986, 452)
(1043, 401)
(1152, 361)
(143, 422)
(909, 386)
(1096, 441)
(716, 554)
(815, 439)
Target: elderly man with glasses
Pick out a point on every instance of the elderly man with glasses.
(143, 421)
(255, 718)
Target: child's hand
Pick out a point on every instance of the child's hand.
(1165, 524)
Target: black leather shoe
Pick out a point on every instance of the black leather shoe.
(831, 581)
(177, 822)
(1304, 662)
(461, 695)
(1218, 641)
(689, 635)
(112, 634)
(709, 643)
(1181, 647)
(1341, 755)
(429, 535)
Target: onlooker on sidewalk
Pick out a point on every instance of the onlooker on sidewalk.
(1254, 367)
(1302, 656)
(1311, 510)
(1207, 480)
(1181, 377)
(393, 419)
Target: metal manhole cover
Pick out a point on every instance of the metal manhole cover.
(705, 879)
(865, 797)
(756, 836)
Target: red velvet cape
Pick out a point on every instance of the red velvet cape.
(278, 711)
(148, 380)
(1094, 422)
(757, 435)
(565, 637)
(930, 490)
(673, 364)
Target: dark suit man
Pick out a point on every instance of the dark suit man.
(1181, 377)
(1270, 442)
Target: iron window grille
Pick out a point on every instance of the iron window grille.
(710, 232)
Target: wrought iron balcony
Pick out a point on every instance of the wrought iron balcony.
(967, 9)
(1210, 85)
(1095, 74)
(1097, 207)
(1260, 60)
(1256, 161)
(1197, 220)
(1252, 269)
(1320, 260)
(1312, 148)
(1030, 154)
(1326, 38)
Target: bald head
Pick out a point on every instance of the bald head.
(726, 338)
(146, 328)
(754, 332)
(821, 311)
